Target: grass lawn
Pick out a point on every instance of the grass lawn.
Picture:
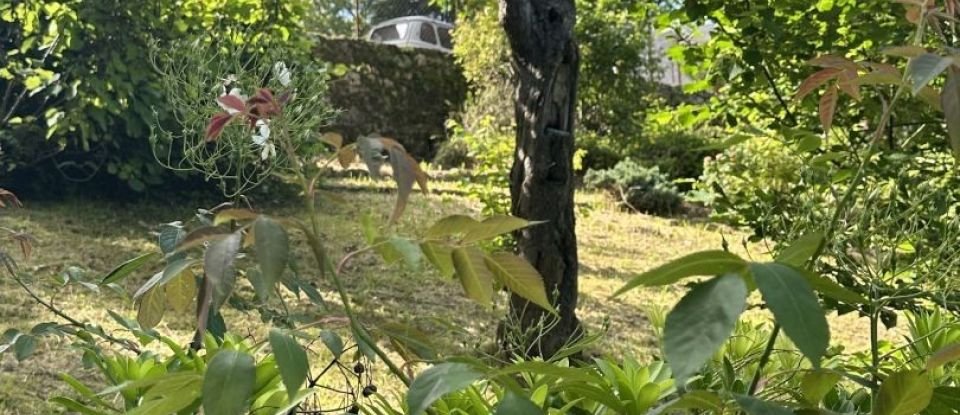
(95, 236)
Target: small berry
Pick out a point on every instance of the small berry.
(355, 409)
(369, 390)
(358, 368)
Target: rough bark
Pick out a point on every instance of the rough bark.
(546, 59)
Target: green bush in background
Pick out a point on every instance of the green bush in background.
(645, 189)
(89, 92)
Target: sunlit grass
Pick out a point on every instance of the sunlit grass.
(95, 236)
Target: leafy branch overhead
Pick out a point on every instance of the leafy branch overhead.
(378, 152)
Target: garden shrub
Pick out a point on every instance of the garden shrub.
(679, 154)
(642, 188)
(452, 154)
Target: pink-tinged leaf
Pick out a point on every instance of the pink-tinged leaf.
(848, 84)
(263, 104)
(950, 102)
(834, 61)
(231, 103)
(828, 106)
(815, 81)
(216, 125)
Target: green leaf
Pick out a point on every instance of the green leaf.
(75, 406)
(125, 269)
(700, 263)
(360, 335)
(495, 226)
(700, 399)
(452, 225)
(438, 381)
(170, 236)
(816, 384)
(228, 384)
(476, 278)
(409, 252)
(904, 393)
(272, 250)
(801, 250)
(831, 289)
(24, 346)
(439, 256)
(513, 404)
(151, 308)
(181, 292)
(754, 406)
(700, 323)
(520, 278)
(176, 268)
(795, 306)
(809, 143)
(950, 103)
(175, 392)
(410, 338)
(923, 68)
(218, 263)
(943, 356)
(333, 342)
(291, 359)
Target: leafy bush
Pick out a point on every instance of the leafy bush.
(678, 154)
(641, 188)
(452, 154)
(88, 91)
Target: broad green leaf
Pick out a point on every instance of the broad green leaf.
(495, 226)
(438, 381)
(950, 103)
(272, 247)
(295, 401)
(700, 263)
(228, 383)
(125, 269)
(945, 401)
(218, 263)
(513, 404)
(174, 393)
(170, 236)
(291, 359)
(816, 384)
(795, 306)
(151, 308)
(476, 278)
(333, 342)
(176, 268)
(700, 323)
(360, 335)
(439, 256)
(700, 399)
(198, 237)
(452, 225)
(147, 286)
(754, 406)
(24, 346)
(809, 143)
(924, 68)
(943, 356)
(904, 393)
(520, 278)
(408, 250)
(411, 339)
(801, 250)
(828, 288)
(260, 285)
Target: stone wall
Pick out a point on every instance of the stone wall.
(406, 94)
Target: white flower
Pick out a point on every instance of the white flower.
(260, 138)
(269, 151)
(282, 73)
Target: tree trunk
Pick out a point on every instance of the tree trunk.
(546, 60)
